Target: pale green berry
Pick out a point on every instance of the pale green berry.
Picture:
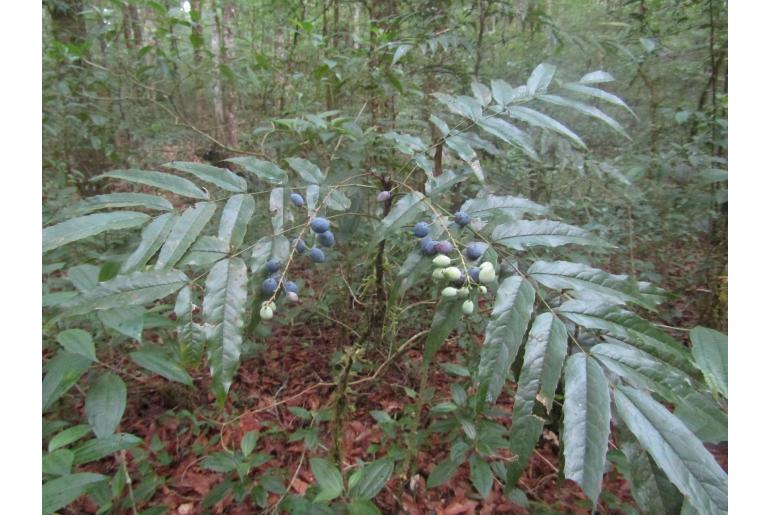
(441, 261)
(487, 275)
(486, 264)
(449, 292)
(438, 274)
(452, 273)
(463, 292)
(265, 313)
(272, 306)
(468, 307)
(483, 289)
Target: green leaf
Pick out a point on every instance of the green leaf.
(235, 219)
(586, 109)
(265, 170)
(596, 77)
(90, 225)
(503, 335)
(205, 251)
(128, 290)
(538, 119)
(467, 107)
(94, 450)
(544, 356)
(277, 206)
(224, 304)
(444, 321)
(586, 423)
(400, 52)
(63, 371)
(162, 180)
(337, 201)
(373, 478)
(186, 228)
(155, 360)
(709, 348)
(309, 172)
(488, 206)
(221, 177)
(121, 200)
(598, 93)
(403, 212)
(521, 234)
(153, 237)
(59, 492)
(68, 436)
(481, 475)
(482, 93)
(540, 79)
(510, 134)
(221, 462)
(58, 463)
(77, 341)
(328, 477)
(442, 473)
(504, 93)
(703, 416)
(128, 321)
(411, 272)
(249, 442)
(83, 277)
(105, 404)
(363, 507)
(675, 449)
(564, 275)
(267, 248)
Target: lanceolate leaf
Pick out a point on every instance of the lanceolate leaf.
(509, 133)
(522, 234)
(309, 172)
(119, 200)
(77, 341)
(205, 250)
(155, 360)
(221, 177)
(186, 229)
(563, 275)
(235, 219)
(538, 119)
(128, 321)
(265, 170)
(504, 93)
(328, 478)
(94, 450)
(586, 423)
(675, 449)
(191, 335)
(128, 290)
(164, 181)
(709, 348)
(598, 93)
(82, 227)
(223, 307)
(505, 329)
(268, 248)
(585, 109)
(105, 404)
(63, 371)
(481, 475)
(374, 476)
(277, 206)
(444, 321)
(540, 79)
(403, 212)
(411, 271)
(61, 491)
(153, 237)
(490, 205)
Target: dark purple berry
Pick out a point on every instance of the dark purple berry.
(300, 245)
(444, 247)
(428, 246)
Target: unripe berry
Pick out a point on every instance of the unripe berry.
(317, 255)
(319, 225)
(297, 199)
(452, 273)
(462, 218)
(269, 285)
(449, 292)
(474, 251)
(487, 275)
(421, 229)
(468, 307)
(292, 296)
(442, 261)
(438, 274)
(483, 289)
(265, 313)
(463, 292)
(383, 196)
(444, 247)
(428, 246)
(273, 266)
(326, 238)
(487, 264)
(272, 306)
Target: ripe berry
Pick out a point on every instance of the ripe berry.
(460, 280)
(474, 251)
(383, 196)
(291, 286)
(273, 266)
(462, 218)
(444, 247)
(319, 225)
(420, 229)
(442, 261)
(326, 238)
(299, 245)
(428, 246)
(297, 199)
(269, 285)
(317, 255)
(292, 296)
(474, 273)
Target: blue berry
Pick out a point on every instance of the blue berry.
(317, 255)
(428, 246)
(291, 287)
(319, 225)
(326, 238)
(421, 229)
(444, 247)
(273, 266)
(462, 218)
(269, 286)
(297, 199)
(300, 245)
(459, 281)
(474, 251)
(474, 273)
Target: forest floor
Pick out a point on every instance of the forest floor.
(288, 372)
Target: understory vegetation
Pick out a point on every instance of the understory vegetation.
(384, 257)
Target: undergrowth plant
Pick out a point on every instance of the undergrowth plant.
(224, 254)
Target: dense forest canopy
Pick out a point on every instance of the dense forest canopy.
(342, 256)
